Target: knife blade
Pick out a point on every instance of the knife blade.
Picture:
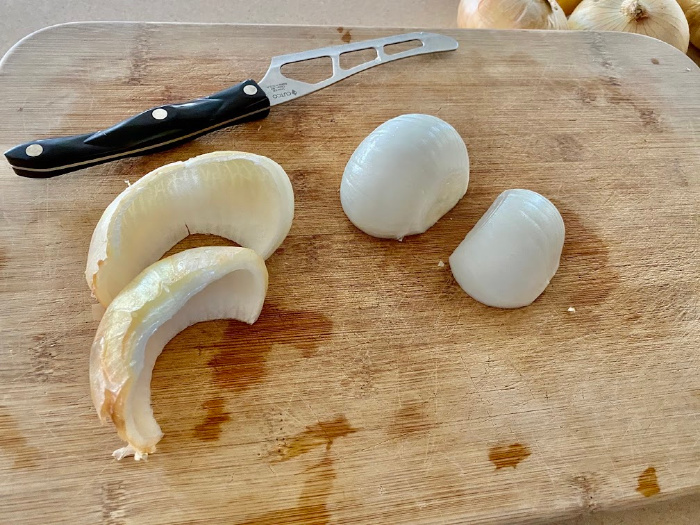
(169, 125)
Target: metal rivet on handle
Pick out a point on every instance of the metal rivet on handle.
(250, 89)
(34, 150)
(159, 114)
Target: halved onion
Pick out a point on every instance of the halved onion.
(509, 257)
(404, 176)
(192, 286)
(243, 197)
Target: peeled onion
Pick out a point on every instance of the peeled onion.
(511, 14)
(404, 176)
(509, 257)
(243, 197)
(192, 286)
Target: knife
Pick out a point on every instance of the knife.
(166, 126)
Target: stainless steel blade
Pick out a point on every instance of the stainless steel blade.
(279, 88)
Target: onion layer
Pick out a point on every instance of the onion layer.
(192, 286)
(243, 197)
(509, 257)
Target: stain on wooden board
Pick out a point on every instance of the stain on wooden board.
(346, 35)
(648, 483)
(508, 456)
(312, 505)
(242, 365)
(609, 91)
(316, 435)
(14, 444)
(210, 428)
(410, 419)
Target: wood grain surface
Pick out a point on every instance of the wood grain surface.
(372, 389)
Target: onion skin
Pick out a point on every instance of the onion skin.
(509, 257)
(511, 14)
(568, 6)
(404, 176)
(243, 197)
(660, 19)
(186, 288)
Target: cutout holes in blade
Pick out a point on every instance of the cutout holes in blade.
(311, 71)
(393, 49)
(352, 59)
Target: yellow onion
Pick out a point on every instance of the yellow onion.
(568, 5)
(511, 14)
(691, 8)
(660, 19)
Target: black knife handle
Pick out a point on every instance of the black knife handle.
(156, 129)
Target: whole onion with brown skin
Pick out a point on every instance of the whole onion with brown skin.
(511, 14)
(691, 8)
(661, 19)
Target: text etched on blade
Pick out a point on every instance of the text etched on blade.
(280, 91)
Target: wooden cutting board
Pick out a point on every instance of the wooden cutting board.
(371, 389)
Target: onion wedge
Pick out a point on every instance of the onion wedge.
(195, 285)
(243, 197)
(511, 254)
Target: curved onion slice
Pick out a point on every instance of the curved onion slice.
(192, 286)
(241, 196)
(404, 176)
(509, 257)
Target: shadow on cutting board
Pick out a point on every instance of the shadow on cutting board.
(678, 511)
